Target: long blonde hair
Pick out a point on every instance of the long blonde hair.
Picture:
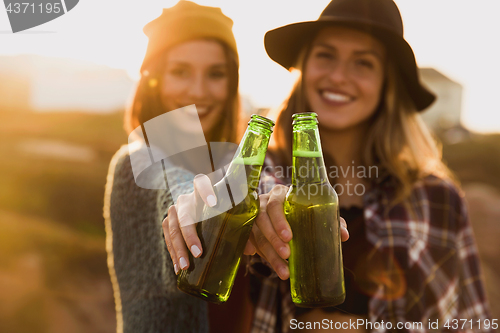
(397, 142)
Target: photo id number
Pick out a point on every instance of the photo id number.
(26, 7)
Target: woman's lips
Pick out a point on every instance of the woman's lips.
(201, 111)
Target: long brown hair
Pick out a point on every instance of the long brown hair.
(147, 103)
(397, 142)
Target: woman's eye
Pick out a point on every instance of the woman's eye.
(179, 72)
(217, 74)
(324, 55)
(365, 63)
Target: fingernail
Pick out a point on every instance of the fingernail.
(211, 200)
(285, 234)
(283, 251)
(183, 262)
(195, 250)
(345, 229)
(176, 269)
(283, 272)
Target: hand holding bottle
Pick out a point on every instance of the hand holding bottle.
(179, 225)
(214, 222)
(271, 231)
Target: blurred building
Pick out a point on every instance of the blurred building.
(30, 82)
(446, 110)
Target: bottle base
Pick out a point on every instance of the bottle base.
(334, 301)
(203, 294)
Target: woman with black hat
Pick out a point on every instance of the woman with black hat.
(411, 256)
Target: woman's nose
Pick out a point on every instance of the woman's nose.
(339, 72)
(197, 87)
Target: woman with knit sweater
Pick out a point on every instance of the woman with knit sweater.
(191, 59)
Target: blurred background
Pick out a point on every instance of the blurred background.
(63, 90)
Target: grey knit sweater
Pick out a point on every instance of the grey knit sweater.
(144, 283)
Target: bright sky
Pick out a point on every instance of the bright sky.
(459, 38)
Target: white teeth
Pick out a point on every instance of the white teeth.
(335, 97)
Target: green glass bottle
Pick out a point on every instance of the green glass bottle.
(311, 209)
(225, 232)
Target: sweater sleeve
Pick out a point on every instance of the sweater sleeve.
(144, 282)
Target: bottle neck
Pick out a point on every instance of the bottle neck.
(308, 163)
(251, 153)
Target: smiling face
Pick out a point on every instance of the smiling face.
(196, 72)
(343, 77)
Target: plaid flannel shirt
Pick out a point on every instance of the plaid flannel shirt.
(424, 263)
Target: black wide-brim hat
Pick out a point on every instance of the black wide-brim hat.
(379, 18)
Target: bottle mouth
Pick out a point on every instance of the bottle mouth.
(268, 123)
(304, 116)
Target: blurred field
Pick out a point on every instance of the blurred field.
(53, 166)
(476, 162)
(53, 273)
